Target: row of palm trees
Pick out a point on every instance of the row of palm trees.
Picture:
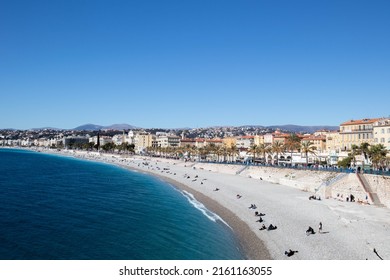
(377, 154)
(108, 147)
(223, 153)
(264, 153)
(292, 144)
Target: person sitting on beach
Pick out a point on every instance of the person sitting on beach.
(260, 220)
(238, 196)
(216, 189)
(263, 227)
(290, 253)
(309, 231)
(272, 227)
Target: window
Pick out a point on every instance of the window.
(383, 130)
(382, 140)
(388, 130)
(376, 140)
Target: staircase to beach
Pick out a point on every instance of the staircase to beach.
(367, 188)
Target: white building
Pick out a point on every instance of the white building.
(164, 141)
(269, 138)
(381, 132)
(119, 139)
(245, 141)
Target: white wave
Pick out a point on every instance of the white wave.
(210, 215)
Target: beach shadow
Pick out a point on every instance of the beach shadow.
(324, 232)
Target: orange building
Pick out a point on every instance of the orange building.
(356, 132)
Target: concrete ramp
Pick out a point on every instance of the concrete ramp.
(373, 196)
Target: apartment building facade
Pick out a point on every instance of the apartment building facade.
(381, 132)
(356, 132)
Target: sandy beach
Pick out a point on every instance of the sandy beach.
(350, 231)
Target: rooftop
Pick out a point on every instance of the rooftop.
(363, 121)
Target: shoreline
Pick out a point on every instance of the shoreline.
(253, 248)
(286, 207)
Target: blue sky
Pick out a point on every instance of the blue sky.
(193, 63)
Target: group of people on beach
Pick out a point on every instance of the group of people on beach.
(310, 230)
(260, 220)
(271, 227)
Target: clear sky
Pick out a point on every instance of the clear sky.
(193, 63)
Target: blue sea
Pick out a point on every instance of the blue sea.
(54, 207)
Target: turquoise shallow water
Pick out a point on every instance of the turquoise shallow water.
(54, 207)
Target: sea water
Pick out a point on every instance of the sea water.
(55, 207)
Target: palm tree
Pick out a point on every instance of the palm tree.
(130, 148)
(308, 148)
(194, 150)
(233, 151)
(150, 150)
(211, 149)
(355, 151)
(179, 152)
(364, 149)
(267, 152)
(254, 149)
(219, 151)
(378, 154)
(225, 151)
(293, 143)
(187, 149)
(277, 148)
(202, 152)
(158, 151)
(262, 149)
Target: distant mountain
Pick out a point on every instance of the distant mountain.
(91, 127)
(301, 128)
(88, 126)
(120, 126)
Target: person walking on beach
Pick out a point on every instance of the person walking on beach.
(320, 227)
